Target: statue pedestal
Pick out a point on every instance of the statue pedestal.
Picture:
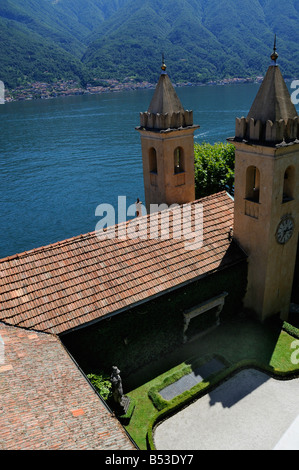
(125, 403)
(128, 406)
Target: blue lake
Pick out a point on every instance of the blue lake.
(61, 158)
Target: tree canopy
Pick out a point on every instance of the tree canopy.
(214, 168)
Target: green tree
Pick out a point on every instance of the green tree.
(102, 384)
(214, 168)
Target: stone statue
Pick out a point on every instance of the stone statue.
(121, 402)
(117, 388)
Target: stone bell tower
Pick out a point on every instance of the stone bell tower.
(266, 207)
(167, 142)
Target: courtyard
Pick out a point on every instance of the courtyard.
(250, 411)
(248, 403)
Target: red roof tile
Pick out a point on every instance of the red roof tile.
(70, 283)
(46, 402)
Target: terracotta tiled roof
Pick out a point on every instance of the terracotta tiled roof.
(68, 284)
(46, 402)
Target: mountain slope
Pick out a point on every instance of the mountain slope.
(201, 40)
(48, 40)
(40, 59)
(45, 39)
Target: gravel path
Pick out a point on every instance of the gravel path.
(249, 411)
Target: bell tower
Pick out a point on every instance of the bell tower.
(167, 143)
(266, 200)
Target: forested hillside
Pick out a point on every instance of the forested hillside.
(45, 39)
(48, 40)
(201, 39)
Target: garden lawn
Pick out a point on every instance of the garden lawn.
(239, 343)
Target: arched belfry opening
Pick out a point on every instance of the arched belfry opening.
(252, 192)
(178, 160)
(153, 165)
(288, 184)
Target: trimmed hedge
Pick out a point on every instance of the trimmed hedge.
(207, 386)
(161, 403)
(292, 330)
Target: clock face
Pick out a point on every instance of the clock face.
(285, 230)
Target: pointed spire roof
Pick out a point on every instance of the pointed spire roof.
(166, 112)
(165, 100)
(273, 100)
(273, 118)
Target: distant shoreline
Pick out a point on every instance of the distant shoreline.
(64, 88)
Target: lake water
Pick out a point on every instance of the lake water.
(61, 158)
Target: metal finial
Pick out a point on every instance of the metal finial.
(163, 67)
(274, 55)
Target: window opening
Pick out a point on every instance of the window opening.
(178, 160)
(288, 184)
(153, 161)
(253, 184)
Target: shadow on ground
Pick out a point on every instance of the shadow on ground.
(241, 339)
(243, 388)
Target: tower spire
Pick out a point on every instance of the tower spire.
(274, 55)
(165, 100)
(272, 118)
(163, 66)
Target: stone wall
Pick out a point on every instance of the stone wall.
(143, 334)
